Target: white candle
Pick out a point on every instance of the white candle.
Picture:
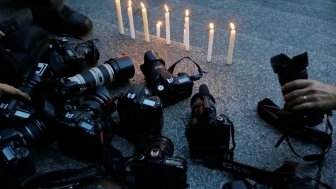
(145, 22)
(186, 25)
(158, 29)
(231, 44)
(184, 41)
(120, 21)
(167, 25)
(210, 44)
(130, 18)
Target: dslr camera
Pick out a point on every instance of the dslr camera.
(289, 69)
(79, 127)
(162, 82)
(140, 113)
(208, 134)
(151, 166)
(68, 56)
(16, 140)
(14, 109)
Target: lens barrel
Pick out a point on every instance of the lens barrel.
(114, 70)
(290, 69)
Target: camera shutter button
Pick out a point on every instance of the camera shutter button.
(160, 87)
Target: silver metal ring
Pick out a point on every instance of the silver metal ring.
(305, 99)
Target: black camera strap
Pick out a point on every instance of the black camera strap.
(269, 112)
(324, 149)
(193, 77)
(283, 177)
(64, 177)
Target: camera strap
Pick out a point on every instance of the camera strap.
(193, 77)
(283, 177)
(64, 177)
(269, 112)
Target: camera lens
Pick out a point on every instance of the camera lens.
(33, 131)
(89, 50)
(161, 146)
(29, 84)
(153, 66)
(112, 71)
(290, 69)
(203, 105)
(97, 98)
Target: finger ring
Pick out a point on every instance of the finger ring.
(305, 99)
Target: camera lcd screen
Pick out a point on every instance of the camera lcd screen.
(149, 102)
(86, 125)
(8, 153)
(70, 52)
(183, 79)
(22, 114)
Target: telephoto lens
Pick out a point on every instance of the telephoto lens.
(115, 70)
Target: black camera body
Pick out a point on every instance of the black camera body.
(140, 112)
(289, 69)
(208, 134)
(151, 166)
(68, 56)
(162, 82)
(156, 168)
(15, 141)
(14, 109)
(79, 128)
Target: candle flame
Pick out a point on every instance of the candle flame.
(211, 25)
(187, 12)
(142, 5)
(159, 23)
(129, 3)
(232, 26)
(166, 7)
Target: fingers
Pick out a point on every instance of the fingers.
(10, 90)
(22, 94)
(294, 85)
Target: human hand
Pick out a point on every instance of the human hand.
(304, 94)
(6, 89)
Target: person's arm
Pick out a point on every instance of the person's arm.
(305, 94)
(6, 89)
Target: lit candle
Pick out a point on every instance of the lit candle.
(184, 41)
(186, 25)
(158, 25)
(210, 44)
(145, 22)
(120, 21)
(231, 44)
(167, 25)
(130, 18)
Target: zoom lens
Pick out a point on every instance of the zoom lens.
(112, 71)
